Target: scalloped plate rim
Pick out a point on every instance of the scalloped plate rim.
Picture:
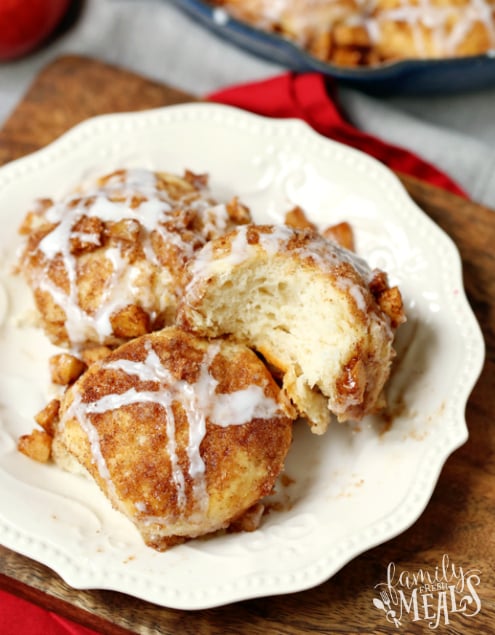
(164, 594)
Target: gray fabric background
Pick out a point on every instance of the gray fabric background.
(152, 37)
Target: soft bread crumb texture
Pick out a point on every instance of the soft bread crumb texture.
(306, 305)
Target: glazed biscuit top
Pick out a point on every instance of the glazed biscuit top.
(174, 387)
(120, 243)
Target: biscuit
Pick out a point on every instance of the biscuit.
(105, 263)
(184, 435)
(319, 316)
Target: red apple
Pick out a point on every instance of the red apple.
(24, 24)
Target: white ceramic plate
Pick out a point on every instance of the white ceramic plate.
(354, 487)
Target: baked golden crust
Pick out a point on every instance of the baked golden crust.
(315, 311)
(353, 33)
(105, 263)
(184, 435)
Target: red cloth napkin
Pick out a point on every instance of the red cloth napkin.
(308, 97)
(19, 617)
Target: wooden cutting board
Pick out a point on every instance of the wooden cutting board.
(459, 520)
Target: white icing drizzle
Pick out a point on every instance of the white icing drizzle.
(76, 409)
(354, 290)
(438, 19)
(156, 211)
(200, 402)
(220, 17)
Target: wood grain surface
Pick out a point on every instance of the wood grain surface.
(459, 520)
